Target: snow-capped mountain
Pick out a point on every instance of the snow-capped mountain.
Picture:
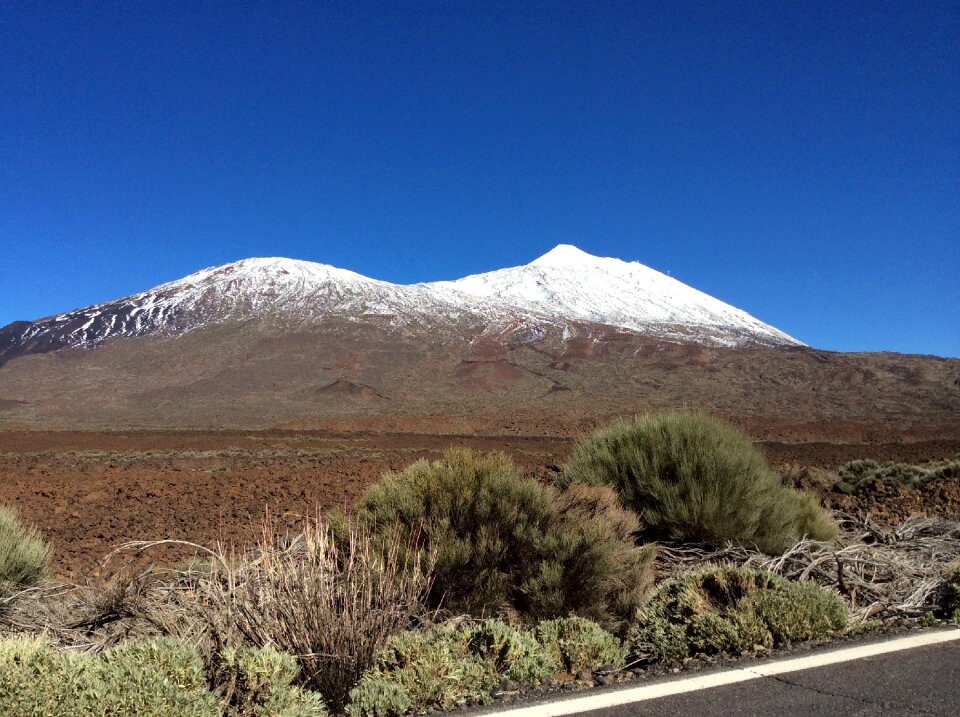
(564, 285)
(569, 283)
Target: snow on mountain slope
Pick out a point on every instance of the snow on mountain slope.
(567, 282)
(288, 291)
(564, 285)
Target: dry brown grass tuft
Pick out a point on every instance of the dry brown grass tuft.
(880, 573)
(329, 598)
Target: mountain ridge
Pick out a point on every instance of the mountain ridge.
(565, 284)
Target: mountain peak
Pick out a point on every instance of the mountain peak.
(564, 255)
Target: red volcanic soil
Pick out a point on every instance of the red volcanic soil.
(90, 492)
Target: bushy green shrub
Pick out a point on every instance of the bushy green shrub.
(575, 644)
(800, 611)
(378, 697)
(24, 555)
(694, 478)
(504, 545)
(949, 592)
(857, 475)
(435, 668)
(151, 678)
(513, 654)
(733, 609)
(450, 665)
(38, 681)
(157, 677)
(258, 682)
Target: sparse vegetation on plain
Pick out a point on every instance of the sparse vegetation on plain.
(857, 475)
(694, 478)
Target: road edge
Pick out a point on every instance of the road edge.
(628, 695)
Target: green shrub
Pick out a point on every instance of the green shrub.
(151, 678)
(157, 677)
(802, 611)
(436, 668)
(24, 555)
(507, 546)
(258, 682)
(451, 665)
(575, 644)
(513, 654)
(949, 592)
(378, 697)
(733, 609)
(694, 478)
(36, 680)
(858, 475)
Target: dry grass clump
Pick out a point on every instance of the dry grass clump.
(880, 573)
(696, 479)
(330, 600)
(508, 546)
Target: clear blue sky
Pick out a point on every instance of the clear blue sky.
(800, 160)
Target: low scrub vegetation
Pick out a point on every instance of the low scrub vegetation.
(696, 479)
(457, 579)
(157, 677)
(508, 546)
(892, 573)
(452, 665)
(732, 609)
(856, 476)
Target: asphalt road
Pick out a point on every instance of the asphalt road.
(921, 681)
(917, 674)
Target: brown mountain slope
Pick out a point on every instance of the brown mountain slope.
(352, 374)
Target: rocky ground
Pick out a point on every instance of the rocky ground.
(90, 492)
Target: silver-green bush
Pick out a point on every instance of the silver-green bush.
(24, 555)
(436, 668)
(258, 682)
(733, 609)
(378, 697)
(451, 665)
(513, 654)
(694, 478)
(576, 644)
(151, 678)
